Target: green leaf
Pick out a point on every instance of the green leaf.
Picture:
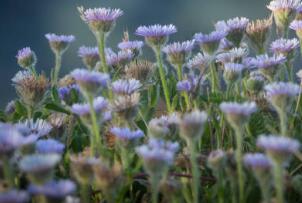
(56, 107)
(55, 95)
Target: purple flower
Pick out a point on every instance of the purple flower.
(257, 161)
(125, 134)
(14, 196)
(10, 139)
(246, 108)
(164, 125)
(265, 61)
(282, 89)
(89, 55)
(59, 43)
(210, 42)
(54, 189)
(278, 145)
(38, 127)
(234, 67)
(284, 46)
(49, 146)
(99, 104)
(276, 5)
(178, 51)
(156, 34)
(119, 59)
(36, 163)
(26, 57)
(189, 85)
(131, 45)
(297, 26)
(234, 55)
(225, 45)
(65, 92)
(200, 61)
(126, 87)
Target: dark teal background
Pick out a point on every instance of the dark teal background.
(24, 23)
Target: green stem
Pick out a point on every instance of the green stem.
(179, 72)
(265, 190)
(85, 193)
(220, 187)
(283, 122)
(195, 172)
(8, 172)
(163, 79)
(278, 179)
(155, 180)
(214, 78)
(101, 39)
(57, 68)
(95, 128)
(239, 135)
(33, 70)
(298, 102)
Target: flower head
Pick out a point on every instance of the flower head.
(209, 43)
(232, 71)
(200, 61)
(126, 87)
(49, 146)
(190, 85)
(285, 47)
(14, 196)
(68, 93)
(125, 135)
(163, 126)
(216, 160)
(140, 70)
(90, 56)
(100, 19)
(178, 51)
(156, 35)
(133, 46)
(234, 55)
(99, 105)
(59, 43)
(255, 82)
(26, 57)
(257, 161)
(38, 127)
(90, 81)
(126, 105)
(118, 59)
(297, 26)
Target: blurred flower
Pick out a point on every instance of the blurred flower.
(225, 45)
(285, 47)
(99, 104)
(26, 57)
(90, 81)
(178, 52)
(299, 74)
(59, 43)
(100, 19)
(140, 70)
(38, 127)
(133, 46)
(120, 59)
(235, 55)
(255, 82)
(163, 126)
(257, 161)
(209, 43)
(49, 146)
(258, 33)
(190, 85)
(200, 61)
(31, 89)
(156, 35)
(69, 93)
(10, 107)
(14, 196)
(90, 56)
(126, 87)
(216, 160)
(54, 191)
(297, 26)
(232, 72)
(126, 106)
(125, 135)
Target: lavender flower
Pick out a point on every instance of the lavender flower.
(238, 113)
(119, 59)
(59, 43)
(178, 51)
(234, 28)
(68, 93)
(126, 106)
(126, 87)
(157, 155)
(285, 47)
(100, 19)
(268, 66)
(255, 82)
(133, 46)
(277, 147)
(99, 105)
(14, 196)
(209, 43)
(232, 72)
(90, 56)
(90, 81)
(54, 190)
(156, 35)
(257, 161)
(49, 146)
(26, 58)
(164, 126)
(38, 127)
(126, 136)
(235, 55)
(225, 45)
(297, 26)
(200, 61)
(190, 85)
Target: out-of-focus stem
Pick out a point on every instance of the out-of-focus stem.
(214, 78)
(239, 135)
(195, 172)
(57, 68)
(278, 179)
(101, 39)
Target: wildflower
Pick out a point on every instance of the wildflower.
(157, 155)
(192, 125)
(140, 70)
(199, 61)
(14, 196)
(216, 160)
(99, 105)
(257, 161)
(69, 93)
(10, 107)
(100, 19)
(156, 35)
(234, 55)
(209, 43)
(258, 33)
(234, 28)
(232, 72)
(90, 81)
(190, 85)
(238, 113)
(178, 52)
(163, 126)
(39, 167)
(125, 135)
(285, 47)
(255, 82)
(225, 45)
(126, 106)
(49, 146)
(120, 59)
(38, 127)
(90, 56)
(297, 26)
(54, 191)
(26, 58)
(267, 65)
(283, 11)
(59, 43)
(126, 87)
(133, 46)
(30, 89)
(277, 147)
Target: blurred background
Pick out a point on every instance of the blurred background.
(24, 23)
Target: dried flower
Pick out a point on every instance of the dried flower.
(178, 52)
(126, 87)
(156, 35)
(90, 56)
(100, 19)
(140, 70)
(26, 58)
(164, 126)
(49, 146)
(209, 43)
(59, 43)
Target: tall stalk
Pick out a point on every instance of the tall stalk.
(278, 179)
(195, 172)
(95, 128)
(239, 135)
(56, 71)
(101, 40)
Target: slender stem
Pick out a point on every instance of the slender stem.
(298, 102)
(57, 68)
(33, 70)
(163, 79)
(278, 179)
(8, 172)
(283, 122)
(179, 72)
(214, 78)
(239, 135)
(95, 127)
(220, 186)
(184, 94)
(85, 193)
(195, 172)
(155, 188)
(265, 190)
(101, 39)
